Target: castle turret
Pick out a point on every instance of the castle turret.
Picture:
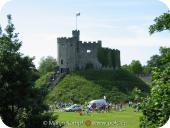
(76, 34)
(67, 51)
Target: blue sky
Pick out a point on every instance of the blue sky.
(120, 24)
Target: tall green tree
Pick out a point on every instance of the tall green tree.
(156, 107)
(154, 61)
(136, 67)
(21, 104)
(48, 64)
(15, 75)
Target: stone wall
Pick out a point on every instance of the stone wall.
(74, 54)
(88, 54)
(67, 53)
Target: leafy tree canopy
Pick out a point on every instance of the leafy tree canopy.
(159, 60)
(156, 107)
(48, 64)
(161, 23)
(21, 104)
(135, 67)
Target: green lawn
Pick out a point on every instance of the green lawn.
(124, 119)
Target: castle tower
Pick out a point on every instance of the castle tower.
(74, 54)
(76, 34)
(67, 51)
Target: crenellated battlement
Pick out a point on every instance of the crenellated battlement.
(92, 43)
(63, 39)
(117, 50)
(75, 54)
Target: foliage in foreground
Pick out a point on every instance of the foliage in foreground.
(156, 107)
(21, 104)
(161, 23)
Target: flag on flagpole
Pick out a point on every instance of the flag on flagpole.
(78, 14)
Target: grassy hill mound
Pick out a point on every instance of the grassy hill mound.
(87, 85)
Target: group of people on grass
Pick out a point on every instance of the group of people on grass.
(102, 108)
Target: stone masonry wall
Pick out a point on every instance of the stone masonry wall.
(74, 54)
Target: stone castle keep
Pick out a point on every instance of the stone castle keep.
(74, 54)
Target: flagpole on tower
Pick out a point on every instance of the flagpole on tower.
(77, 14)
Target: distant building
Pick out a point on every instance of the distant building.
(74, 54)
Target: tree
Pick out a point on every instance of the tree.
(136, 95)
(154, 61)
(156, 107)
(146, 70)
(161, 23)
(115, 95)
(13, 72)
(136, 67)
(21, 104)
(126, 67)
(48, 64)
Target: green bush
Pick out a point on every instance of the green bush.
(156, 107)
